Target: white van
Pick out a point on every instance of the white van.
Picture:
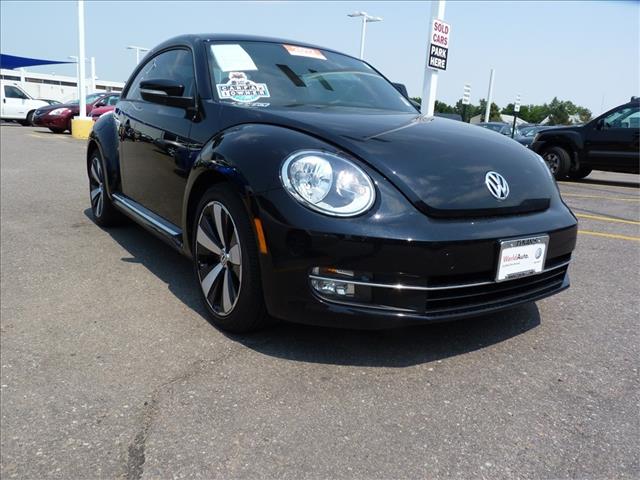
(16, 104)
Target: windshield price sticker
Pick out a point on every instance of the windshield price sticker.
(232, 57)
(523, 257)
(241, 89)
(304, 52)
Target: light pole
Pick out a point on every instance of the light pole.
(81, 59)
(366, 18)
(430, 82)
(138, 50)
(75, 58)
(487, 111)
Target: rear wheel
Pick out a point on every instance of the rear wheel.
(56, 130)
(580, 173)
(27, 122)
(104, 213)
(558, 161)
(225, 259)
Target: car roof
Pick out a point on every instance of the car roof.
(194, 38)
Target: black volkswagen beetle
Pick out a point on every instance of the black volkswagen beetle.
(305, 187)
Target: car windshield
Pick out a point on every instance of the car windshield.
(89, 98)
(262, 74)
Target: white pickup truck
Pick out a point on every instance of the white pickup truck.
(16, 104)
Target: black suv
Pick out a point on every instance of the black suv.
(610, 142)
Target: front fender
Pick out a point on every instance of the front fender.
(248, 157)
(105, 136)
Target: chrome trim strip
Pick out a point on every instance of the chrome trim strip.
(128, 205)
(399, 286)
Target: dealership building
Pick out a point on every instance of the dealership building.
(55, 87)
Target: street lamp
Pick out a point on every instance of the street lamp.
(138, 50)
(366, 18)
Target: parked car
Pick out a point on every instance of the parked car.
(57, 118)
(610, 142)
(528, 133)
(503, 128)
(16, 104)
(305, 187)
(111, 102)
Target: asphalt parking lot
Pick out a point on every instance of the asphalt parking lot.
(111, 370)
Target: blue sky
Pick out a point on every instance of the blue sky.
(587, 52)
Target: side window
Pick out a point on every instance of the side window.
(113, 99)
(13, 92)
(627, 117)
(171, 65)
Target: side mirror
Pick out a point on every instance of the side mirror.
(165, 92)
(600, 124)
(402, 89)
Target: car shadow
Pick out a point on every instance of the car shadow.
(394, 348)
(607, 183)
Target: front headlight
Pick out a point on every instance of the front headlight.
(58, 111)
(327, 183)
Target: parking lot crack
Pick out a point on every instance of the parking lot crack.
(136, 452)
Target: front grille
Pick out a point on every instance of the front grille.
(470, 299)
(448, 299)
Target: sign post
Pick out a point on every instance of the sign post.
(466, 95)
(516, 109)
(437, 54)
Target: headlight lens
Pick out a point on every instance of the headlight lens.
(327, 183)
(58, 111)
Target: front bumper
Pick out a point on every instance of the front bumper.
(418, 269)
(52, 121)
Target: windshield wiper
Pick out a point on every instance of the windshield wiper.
(291, 75)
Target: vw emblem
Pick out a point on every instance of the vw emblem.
(497, 185)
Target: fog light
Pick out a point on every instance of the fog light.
(337, 287)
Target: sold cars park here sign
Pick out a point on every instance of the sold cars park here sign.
(439, 44)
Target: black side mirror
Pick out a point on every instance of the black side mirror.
(600, 124)
(402, 89)
(165, 92)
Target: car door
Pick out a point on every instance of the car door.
(14, 103)
(155, 146)
(611, 142)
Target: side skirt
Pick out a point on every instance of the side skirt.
(167, 231)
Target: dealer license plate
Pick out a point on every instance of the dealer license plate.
(522, 257)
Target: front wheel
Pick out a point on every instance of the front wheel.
(104, 213)
(225, 259)
(558, 161)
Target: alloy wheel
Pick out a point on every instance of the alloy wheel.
(96, 187)
(553, 162)
(219, 258)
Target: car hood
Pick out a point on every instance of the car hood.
(439, 164)
(71, 106)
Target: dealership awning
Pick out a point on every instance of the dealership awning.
(11, 61)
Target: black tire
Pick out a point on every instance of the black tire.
(225, 262)
(56, 130)
(580, 173)
(104, 213)
(28, 122)
(558, 161)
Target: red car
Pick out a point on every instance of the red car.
(57, 118)
(97, 112)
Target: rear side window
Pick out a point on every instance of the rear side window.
(13, 92)
(170, 65)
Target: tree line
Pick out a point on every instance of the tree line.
(558, 111)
